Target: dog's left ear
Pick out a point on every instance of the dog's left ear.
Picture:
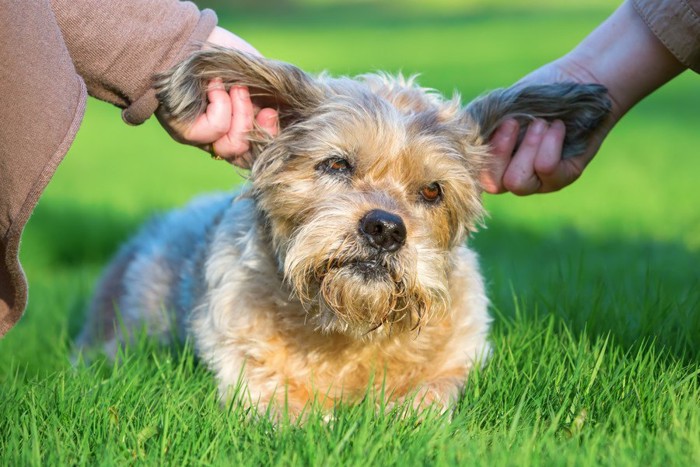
(582, 108)
(182, 90)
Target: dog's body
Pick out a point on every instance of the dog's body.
(343, 263)
(208, 270)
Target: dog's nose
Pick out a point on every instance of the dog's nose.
(383, 230)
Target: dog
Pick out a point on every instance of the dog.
(342, 266)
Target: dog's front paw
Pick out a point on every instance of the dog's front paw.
(438, 396)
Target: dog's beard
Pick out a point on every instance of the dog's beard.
(365, 296)
(349, 288)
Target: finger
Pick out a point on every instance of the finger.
(566, 173)
(267, 120)
(550, 153)
(235, 143)
(553, 172)
(520, 177)
(502, 143)
(216, 120)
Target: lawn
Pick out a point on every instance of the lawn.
(595, 289)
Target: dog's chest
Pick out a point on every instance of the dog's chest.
(309, 362)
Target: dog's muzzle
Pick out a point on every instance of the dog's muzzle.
(383, 230)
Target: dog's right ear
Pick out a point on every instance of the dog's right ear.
(182, 90)
(582, 108)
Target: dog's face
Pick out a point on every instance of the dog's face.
(365, 198)
(367, 190)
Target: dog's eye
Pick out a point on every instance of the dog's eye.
(335, 165)
(432, 192)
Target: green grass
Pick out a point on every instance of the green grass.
(596, 289)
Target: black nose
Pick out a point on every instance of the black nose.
(383, 230)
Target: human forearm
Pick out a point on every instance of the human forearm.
(624, 55)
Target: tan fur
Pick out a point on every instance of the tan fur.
(294, 289)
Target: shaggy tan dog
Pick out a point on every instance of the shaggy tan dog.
(343, 263)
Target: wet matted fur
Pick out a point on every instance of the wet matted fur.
(343, 261)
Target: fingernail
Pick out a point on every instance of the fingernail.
(242, 92)
(538, 126)
(269, 119)
(510, 126)
(216, 83)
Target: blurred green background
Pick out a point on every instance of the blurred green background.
(616, 252)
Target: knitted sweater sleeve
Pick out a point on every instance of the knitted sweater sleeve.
(118, 45)
(676, 23)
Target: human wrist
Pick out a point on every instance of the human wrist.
(224, 38)
(624, 55)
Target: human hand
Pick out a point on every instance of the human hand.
(623, 55)
(536, 165)
(230, 116)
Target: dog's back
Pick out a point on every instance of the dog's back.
(151, 282)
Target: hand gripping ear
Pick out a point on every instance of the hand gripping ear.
(582, 108)
(182, 89)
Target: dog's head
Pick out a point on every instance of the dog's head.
(372, 182)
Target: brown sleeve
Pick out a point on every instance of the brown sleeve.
(118, 45)
(677, 25)
(42, 101)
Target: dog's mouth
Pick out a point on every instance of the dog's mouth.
(373, 268)
(370, 269)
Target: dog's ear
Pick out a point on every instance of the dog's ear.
(182, 90)
(582, 108)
